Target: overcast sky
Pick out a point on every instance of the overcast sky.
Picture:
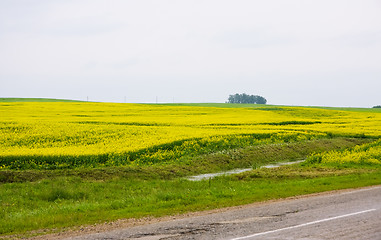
(306, 52)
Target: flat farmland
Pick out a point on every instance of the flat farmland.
(67, 164)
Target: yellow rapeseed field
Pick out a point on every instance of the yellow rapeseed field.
(365, 154)
(41, 133)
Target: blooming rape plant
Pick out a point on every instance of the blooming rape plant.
(70, 135)
(369, 153)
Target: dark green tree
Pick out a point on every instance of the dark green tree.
(245, 98)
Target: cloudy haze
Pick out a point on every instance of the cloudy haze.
(325, 53)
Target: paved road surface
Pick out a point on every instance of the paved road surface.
(354, 214)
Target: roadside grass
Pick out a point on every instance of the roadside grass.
(55, 200)
(71, 201)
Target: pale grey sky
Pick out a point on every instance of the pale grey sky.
(292, 52)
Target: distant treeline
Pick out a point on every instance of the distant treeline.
(378, 106)
(245, 98)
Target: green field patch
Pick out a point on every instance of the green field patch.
(36, 100)
(272, 109)
(121, 123)
(293, 123)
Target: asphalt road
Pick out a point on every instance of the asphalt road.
(353, 214)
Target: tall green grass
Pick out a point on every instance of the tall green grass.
(71, 201)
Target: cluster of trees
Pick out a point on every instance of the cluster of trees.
(378, 106)
(245, 98)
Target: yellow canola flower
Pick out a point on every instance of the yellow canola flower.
(94, 129)
(368, 153)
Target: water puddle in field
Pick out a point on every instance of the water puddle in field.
(236, 171)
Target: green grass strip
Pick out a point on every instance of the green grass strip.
(71, 201)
